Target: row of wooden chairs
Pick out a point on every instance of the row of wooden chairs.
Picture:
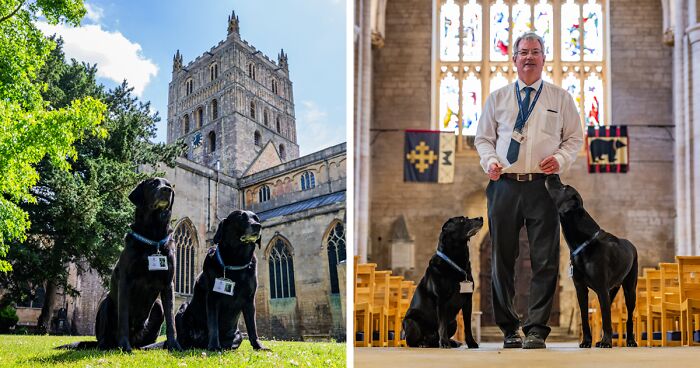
(667, 311)
(381, 302)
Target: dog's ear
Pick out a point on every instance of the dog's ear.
(136, 195)
(220, 231)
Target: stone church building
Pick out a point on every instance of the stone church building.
(233, 108)
(431, 64)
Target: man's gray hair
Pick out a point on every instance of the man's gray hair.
(528, 36)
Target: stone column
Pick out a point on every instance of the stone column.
(683, 175)
(693, 109)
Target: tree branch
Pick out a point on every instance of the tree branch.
(13, 12)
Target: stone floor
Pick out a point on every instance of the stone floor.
(557, 354)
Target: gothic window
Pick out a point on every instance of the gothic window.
(283, 154)
(212, 141)
(200, 117)
(278, 125)
(308, 181)
(258, 139)
(264, 194)
(335, 242)
(187, 124)
(252, 110)
(274, 86)
(214, 109)
(265, 117)
(35, 299)
(189, 86)
(213, 71)
(281, 264)
(251, 71)
(185, 238)
(475, 49)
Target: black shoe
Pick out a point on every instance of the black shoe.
(512, 340)
(533, 341)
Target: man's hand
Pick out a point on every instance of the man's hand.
(495, 171)
(549, 165)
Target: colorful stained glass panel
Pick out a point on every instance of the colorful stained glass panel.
(544, 21)
(572, 84)
(592, 31)
(449, 103)
(522, 19)
(593, 99)
(449, 31)
(500, 29)
(570, 32)
(471, 33)
(471, 104)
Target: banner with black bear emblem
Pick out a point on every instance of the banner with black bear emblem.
(429, 156)
(608, 148)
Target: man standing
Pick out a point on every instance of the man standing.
(528, 130)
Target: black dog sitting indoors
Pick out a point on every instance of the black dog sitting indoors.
(225, 288)
(445, 289)
(599, 260)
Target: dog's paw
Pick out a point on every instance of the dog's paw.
(445, 344)
(455, 344)
(631, 344)
(585, 344)
(173, 345)
(603, 344)
(125, 347)
(472, 345)
(214, 347)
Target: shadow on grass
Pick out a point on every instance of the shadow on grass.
(71, 356)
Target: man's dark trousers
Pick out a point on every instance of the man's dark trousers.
(512, 204)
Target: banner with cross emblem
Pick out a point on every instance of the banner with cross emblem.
(429, 156)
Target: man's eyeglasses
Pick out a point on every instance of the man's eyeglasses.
(535, 53)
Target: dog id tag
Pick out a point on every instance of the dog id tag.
(224, 286)
(157, 262)
(466, 287)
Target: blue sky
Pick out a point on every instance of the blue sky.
(136, 40)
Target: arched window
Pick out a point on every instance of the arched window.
(308, 180)
(187, 124)
(258, 139)
(265, 120)
(186, 243)
(252, 110)
(214, 109)
(189, 86)
(279, 125)
(335, 242)
(283, 154)
(475, 49)
(274, 86)
(251, 71)
(281, 264)
(212, 141)
(200, 117)
(213, 71)
(264, 194)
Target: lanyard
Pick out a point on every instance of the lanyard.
(521, 113)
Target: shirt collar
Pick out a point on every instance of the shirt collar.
(535, 85)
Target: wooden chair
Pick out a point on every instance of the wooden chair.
(653, 301)
(640, 310)
(618, 316)
(689, 284)
(407, 290)
(364, 294)
(380, 309)
(394, 310)
(670, 308)
(595, 317)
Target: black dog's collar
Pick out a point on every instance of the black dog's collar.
(585, 244)
(157, 244)
(229, 268)
(451, 263)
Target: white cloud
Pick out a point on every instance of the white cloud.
(315, 130)
(117, 58)
(94, 13)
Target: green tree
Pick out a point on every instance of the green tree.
(81, 215)
(29, 129)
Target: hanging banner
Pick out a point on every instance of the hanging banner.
(608, 148)
(429, 156)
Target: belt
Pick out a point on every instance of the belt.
(524, 177)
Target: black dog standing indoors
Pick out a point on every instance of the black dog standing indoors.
(599, 261)
(225, 288)
(445, 289)
(131, 314)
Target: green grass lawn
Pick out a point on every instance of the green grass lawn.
(38, 351)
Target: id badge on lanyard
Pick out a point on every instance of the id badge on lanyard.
(157, 262)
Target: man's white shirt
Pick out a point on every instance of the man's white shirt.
(553, 128)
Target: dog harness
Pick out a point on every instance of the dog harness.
(156, 244)
(451, 263)
(585, 244)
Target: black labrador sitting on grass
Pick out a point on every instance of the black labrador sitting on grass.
(131, 315)
(225, 288)
(445, 289)
(599, 260)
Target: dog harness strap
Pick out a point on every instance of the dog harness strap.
(584, 245)
(451, 263)
(157, 244)
(229, 268)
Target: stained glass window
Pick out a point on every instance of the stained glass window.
(281, 264)
(336, 253)
(474, 57)
(185, 238)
